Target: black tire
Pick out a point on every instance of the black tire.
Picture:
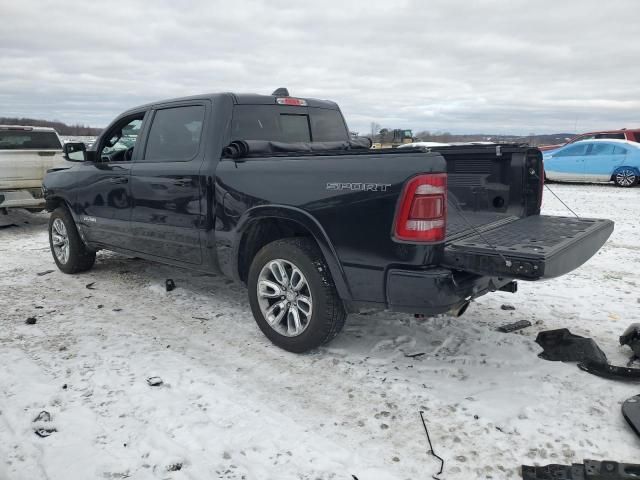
(625, 178)
(328, 314)
(79, 257)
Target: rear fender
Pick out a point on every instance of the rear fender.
(623, 167)
(306, 221)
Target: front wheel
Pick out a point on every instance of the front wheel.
(625, 177)
(292, 295)
(69, 251)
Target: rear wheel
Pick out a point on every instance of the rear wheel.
(292, 295)
(625, 177)
(69, 251)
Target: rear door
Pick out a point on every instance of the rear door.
(602, 160)
(166, 184)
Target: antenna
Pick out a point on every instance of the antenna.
(281, 92)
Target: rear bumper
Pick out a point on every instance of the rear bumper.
(436, 290)
(27, 198)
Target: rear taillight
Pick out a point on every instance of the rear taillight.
(422, 211)
(541, 188)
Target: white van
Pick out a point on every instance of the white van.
(26, 153)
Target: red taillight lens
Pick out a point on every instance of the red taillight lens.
(422, 212)
(296, 102)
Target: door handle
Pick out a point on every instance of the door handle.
(118, 180)
(183, 182)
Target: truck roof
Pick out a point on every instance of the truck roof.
(27, 128)
(243, 99)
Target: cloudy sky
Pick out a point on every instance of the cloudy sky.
(503, 66)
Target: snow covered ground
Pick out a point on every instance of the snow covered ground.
(233, 406)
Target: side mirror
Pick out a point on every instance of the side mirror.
(74, 151)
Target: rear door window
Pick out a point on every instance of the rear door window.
(601, 149)
(28, 140)
(618, 150)
(175, 134)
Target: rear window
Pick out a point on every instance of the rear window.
(619, 136)
(26, 140)
(278, 124)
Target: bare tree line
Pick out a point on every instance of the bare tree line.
(60, 127)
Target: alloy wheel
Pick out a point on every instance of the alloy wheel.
(284, 297)
(60, 241)
(626, 178)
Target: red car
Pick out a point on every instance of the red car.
(632, 135)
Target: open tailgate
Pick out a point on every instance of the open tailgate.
(530, 248)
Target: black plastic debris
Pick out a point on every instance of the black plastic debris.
(507, 307)
(631, 337)
(175, 467)
(154, 381)
(169, 284)
(44, 432)
(515, 326)
(43, 416)
(563, 346)
(414, 355)
(590, 470)
(42, 429)
(611, 372)
(9, 225)
(90, 286)
(31, 321)
(46, 272)
(631, 413)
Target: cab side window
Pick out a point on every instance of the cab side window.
(175, 134)
(121, 140)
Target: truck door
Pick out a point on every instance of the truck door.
(104, 199)
(166, 186)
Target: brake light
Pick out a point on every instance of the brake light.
(297, 102)
(541, 190)
(422, 211)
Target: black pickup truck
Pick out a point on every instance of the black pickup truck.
(272, 191)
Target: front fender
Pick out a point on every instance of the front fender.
(307, 221)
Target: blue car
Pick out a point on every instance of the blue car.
(604, 160)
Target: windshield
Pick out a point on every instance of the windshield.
(26, 140)
(294, 124)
